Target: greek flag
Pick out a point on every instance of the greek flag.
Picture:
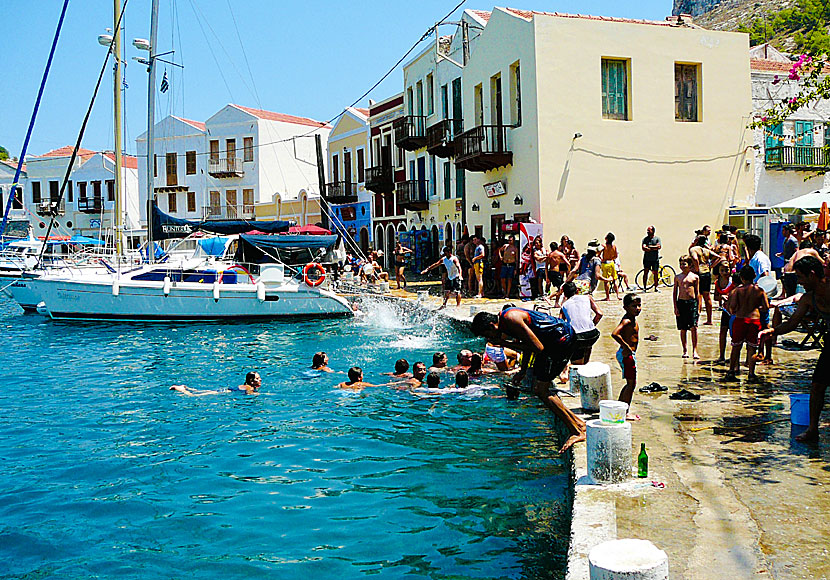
(164, 84)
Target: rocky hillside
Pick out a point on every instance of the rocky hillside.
(781, 22)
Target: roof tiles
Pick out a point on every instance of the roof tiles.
(281, 117)
(529, 14)
(67, 152)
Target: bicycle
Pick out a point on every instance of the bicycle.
(665, 276)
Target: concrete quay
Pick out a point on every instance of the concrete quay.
(742, 498)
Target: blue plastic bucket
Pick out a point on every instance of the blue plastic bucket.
(800, 409)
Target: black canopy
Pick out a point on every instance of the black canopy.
(166, 226)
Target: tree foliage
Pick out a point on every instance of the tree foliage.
(806, 23)
(4, 153)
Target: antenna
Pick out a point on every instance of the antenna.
(465, 44)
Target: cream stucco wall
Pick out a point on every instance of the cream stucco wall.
(619, 176)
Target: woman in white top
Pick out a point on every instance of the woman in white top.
(583, 314)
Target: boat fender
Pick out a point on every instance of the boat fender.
(260, 291)
(167, 285)
(320, 278)
(116, 287)
(216, 291)
(41, 309)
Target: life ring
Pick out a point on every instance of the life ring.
(320, 278)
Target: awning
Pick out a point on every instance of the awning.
(807, 203)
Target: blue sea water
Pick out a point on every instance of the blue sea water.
(106, 473)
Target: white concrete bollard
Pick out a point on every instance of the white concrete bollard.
(609, 451)
(383, 286)
(594, 385)
(628, 560)
(573, 378)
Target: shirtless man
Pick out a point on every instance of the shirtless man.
(320, 362)
(704, 262)
(419, 372)
(748, 302)
(550, 340)
(454, 278)
(810, 272)
(401, 369)
(558, 268)
(686, 292)
(609, 255)
(509, 255)
(726, 250)
(439, 362)
(355, 382)
(627, 335)
(252, 384)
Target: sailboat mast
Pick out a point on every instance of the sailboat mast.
(117, 82)
(151, 122)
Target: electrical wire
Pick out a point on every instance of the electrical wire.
(323, 125)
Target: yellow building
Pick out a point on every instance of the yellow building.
(590, 125)
(348, 202)
(303, 210)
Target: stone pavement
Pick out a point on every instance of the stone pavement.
(742, 499)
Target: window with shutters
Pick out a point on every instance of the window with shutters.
(191, 201)
(774, 136)
(36, 192)
(248, 148)
(82, 190)
(516, 94)
(361, 166)
(172, 169)
(615, 89)
(54, 191)
(447, 181)
(686, 105)
(110, 190)
(96, 189)
(190, 162)
(171, 202)
(214, 149)
(248, 202)
(155, 165)
(17, 203)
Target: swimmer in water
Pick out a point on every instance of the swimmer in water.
(251, 386)
(401, 370)
(320, 362)
(355, 382)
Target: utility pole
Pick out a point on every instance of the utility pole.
(321, 178)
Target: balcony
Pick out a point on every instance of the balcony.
(410, 132)
(341, 192)
(380, 179)
(50, 208)
(796, 157)
(483, 148)
(412, 195)
(229, 167)
(228, 212)
(90, 204)
(441, 137)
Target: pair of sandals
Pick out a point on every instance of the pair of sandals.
(653, 388)
(684, 395)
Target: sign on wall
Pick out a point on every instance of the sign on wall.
(495, 189)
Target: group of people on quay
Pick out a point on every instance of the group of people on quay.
(537, 342)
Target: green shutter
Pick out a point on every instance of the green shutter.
(614, 89)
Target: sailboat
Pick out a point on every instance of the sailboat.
(210, 288)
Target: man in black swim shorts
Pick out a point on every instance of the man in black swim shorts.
(551, 342)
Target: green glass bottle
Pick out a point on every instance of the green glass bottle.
(642, 462)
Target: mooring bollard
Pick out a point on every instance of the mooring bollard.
(573, 378)
(594, 385)
(609, 451)
(629, 560)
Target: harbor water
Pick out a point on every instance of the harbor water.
(106, 472)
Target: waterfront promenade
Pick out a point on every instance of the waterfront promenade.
(742, 499)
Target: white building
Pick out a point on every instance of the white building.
(238, 158)
(792, 160)
(88, 202)
(7, 171)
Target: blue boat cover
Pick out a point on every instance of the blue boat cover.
(291, 241)
(166, 226)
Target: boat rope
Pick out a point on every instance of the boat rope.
(22, 157)
(78, 141)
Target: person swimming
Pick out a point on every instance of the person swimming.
(251, 386)
(320, 362)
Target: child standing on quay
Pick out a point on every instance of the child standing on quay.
(724, 284)
(627, 335)
(686, 293)
(747, 302)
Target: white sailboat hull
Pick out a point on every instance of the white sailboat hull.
(87, 300)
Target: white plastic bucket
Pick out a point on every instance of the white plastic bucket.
(612, 411)
(800, 409)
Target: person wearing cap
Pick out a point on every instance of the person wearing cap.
(452, 284)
